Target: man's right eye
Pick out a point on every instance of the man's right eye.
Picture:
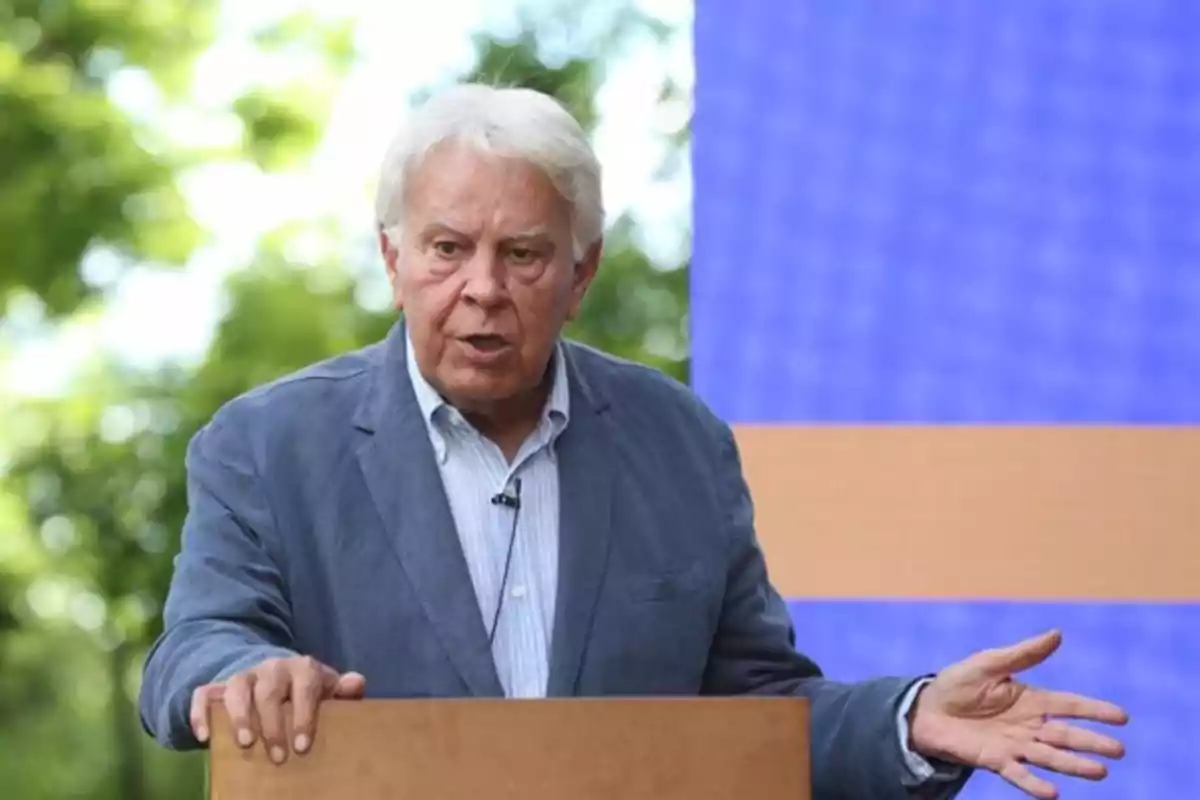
(446, 248)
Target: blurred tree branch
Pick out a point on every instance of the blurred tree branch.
(80, 171)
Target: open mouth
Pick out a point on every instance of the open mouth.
(486, 342)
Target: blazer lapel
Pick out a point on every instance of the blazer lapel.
(586, 470)
(401, 472)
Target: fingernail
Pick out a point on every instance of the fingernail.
(301, 743)
(245, 737)
(277, 754)
(202, 734)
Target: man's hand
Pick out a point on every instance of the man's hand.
(975, 713)
(254, 700)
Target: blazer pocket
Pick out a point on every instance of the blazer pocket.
(662, 586)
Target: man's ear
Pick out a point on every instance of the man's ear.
(585, 272)
(391, 258)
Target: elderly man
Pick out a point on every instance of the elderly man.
(477, 507)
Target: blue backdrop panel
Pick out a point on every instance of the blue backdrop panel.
(947, 211)
(1145, 657)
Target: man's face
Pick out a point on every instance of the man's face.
(485, 273)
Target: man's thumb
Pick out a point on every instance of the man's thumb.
(350, 686)
(1020, 656)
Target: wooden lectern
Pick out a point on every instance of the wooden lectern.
(556, 749)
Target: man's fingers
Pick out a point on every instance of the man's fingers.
(1081, 740)
(200, 717)
(272, 688)
(1076, 706)
(350, 686)
(256, 702)
(1019, 776)
(311, 681)
(1064, 762)
(239, 704)
(1020, 656)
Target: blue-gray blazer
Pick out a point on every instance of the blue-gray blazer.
(318, 525)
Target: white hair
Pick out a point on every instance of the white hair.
(511, 122)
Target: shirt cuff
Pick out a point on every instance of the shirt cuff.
(919, 768)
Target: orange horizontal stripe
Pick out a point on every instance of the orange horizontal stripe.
(1044, 512)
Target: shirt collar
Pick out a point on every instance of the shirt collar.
(433, 405)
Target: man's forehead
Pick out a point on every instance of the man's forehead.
(460, 191)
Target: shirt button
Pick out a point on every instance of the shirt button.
(518, 592)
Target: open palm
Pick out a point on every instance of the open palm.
(976, 713)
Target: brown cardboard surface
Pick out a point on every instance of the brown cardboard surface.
(978, 512)
(582, 749)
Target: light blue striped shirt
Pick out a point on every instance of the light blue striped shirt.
(474, 470)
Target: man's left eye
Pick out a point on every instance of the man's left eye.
(522, 255)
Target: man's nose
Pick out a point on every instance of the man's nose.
(485, 280)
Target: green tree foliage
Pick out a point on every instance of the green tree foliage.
(93, 497)
(100, 478)
(80, 172)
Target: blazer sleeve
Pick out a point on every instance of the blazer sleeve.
(855, 743)
(226, 608)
